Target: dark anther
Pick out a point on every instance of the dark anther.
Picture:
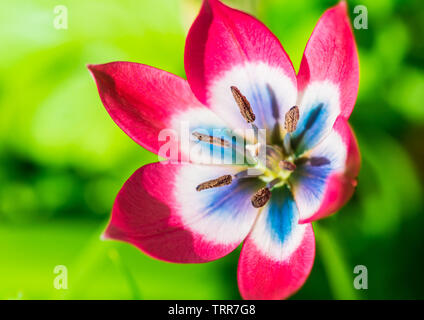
(244, 105)
(219, 182)
(261, 197)
(212, 140)
(287, 165)
(291, 119)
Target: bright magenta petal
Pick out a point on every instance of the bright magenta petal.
(278, 254)
(331, 55)
(159, 210)
(226, 47)
(324, 185)
(328, 77)
(143, 101)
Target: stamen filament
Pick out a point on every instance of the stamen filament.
(273, 182)
(255, 131)
(287, 144)
(249, 173)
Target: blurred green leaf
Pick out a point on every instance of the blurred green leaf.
(339, 275)
(388, 187)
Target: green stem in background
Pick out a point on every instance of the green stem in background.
(94, 254)
(340, 275)
(90, 256)
(132, 283)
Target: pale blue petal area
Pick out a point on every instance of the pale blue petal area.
(217, 154)
(319, 108)
(225, 211)
(265, 105)
(311, 128)
(281, 214)
(277, 232)
(270, 92)
(232, 201)
(310, 179)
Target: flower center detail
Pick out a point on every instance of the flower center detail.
(279, 162)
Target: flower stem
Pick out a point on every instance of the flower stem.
(340, 276)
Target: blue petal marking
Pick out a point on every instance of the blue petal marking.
(310, 128)
(282, 214)
(232, 200)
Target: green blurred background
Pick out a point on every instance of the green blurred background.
(62, 159)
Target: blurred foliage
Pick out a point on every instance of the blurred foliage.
(62, 159)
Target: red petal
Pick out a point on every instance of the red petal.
(223, 39)
(338, 186)
(278, 254)
(159, 210)
(142, 100)
(331, 56)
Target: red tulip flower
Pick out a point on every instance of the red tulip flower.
(199, 206)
